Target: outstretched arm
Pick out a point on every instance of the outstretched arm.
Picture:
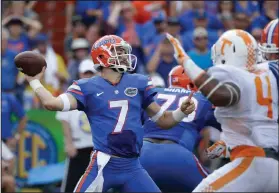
(218, 93)
(64, 102)
(168, 119)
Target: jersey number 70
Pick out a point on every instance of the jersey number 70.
(170, 99)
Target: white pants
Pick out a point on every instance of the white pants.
(245, 174)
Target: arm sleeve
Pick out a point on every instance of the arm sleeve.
(149, 91)
(17, 108)
(76, 91)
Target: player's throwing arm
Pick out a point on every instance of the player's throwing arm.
(33, 65)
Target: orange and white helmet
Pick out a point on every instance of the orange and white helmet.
(270, 38)
(112, 51)
(237, 48)
(178, 78)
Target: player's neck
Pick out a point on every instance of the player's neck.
(111, 76)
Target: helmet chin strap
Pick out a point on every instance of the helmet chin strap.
(121, 69)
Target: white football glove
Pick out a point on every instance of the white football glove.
(218, 149)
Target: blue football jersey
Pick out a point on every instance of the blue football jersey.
(187, 131)
(114, 111)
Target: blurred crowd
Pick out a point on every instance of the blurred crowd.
(197, 24)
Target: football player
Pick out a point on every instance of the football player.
(167, 154)
(269, 46)
(113, 103)
(269, 50)
(246, 100)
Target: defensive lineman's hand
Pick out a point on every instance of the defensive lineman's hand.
(179, 53)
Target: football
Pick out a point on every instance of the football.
(30, 63)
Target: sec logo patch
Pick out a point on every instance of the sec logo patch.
(131, 92)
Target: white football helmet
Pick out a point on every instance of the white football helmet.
(237, 48)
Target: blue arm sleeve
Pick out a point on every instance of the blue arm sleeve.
(148, 92)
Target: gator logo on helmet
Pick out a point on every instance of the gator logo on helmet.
(104, 42)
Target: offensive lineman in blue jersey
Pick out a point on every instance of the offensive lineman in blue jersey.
(113, 102)
(167, 154)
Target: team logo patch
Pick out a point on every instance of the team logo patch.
(131, 92)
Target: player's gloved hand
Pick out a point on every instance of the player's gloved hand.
(188, 106)
(218, 149)
(38, 76)
(179, 53)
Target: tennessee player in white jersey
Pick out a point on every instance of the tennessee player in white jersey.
(253, 120)
(246, 100)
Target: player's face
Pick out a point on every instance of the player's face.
(271, 56)
(121, 55)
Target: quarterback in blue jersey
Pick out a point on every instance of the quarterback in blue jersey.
(167, 154)
(113, 102)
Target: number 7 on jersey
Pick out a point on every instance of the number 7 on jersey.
(124, 105)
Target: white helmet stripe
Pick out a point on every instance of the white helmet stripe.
(271, 30)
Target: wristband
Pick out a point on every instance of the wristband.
(66, 102)
(178, 115)
(35, 84)
(193, 71)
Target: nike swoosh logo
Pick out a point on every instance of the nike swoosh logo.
(98, 94)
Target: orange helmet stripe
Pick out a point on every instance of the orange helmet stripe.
(271, 31)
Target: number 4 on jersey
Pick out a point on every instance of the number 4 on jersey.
(260, 98)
